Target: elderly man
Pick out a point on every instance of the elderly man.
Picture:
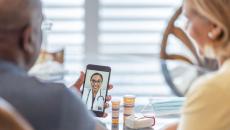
(47, 106)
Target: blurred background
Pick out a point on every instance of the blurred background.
(123, 34)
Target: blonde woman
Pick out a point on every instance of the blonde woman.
(207, 106)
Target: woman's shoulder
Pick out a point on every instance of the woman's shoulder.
(212, 83)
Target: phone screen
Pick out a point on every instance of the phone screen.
(95, 89)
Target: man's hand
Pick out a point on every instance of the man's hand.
(79, 81)
(78, 84)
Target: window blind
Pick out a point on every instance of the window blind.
(131, 31)
(124, 34)
(67, 18)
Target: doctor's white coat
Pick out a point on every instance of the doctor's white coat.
(98, 104)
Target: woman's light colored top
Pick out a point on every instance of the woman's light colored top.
(207, 106)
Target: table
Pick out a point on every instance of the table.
(140, 102)
(160, 123)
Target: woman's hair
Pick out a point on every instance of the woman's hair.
(97, 74)
(217, 12)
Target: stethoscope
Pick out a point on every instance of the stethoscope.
(99, 98)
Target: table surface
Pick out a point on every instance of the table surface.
(160, 123)
(160, 120)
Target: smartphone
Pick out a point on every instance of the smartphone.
(95, 88)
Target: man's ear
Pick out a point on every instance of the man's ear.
(215, 32)
(27, 42)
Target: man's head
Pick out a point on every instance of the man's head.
(96, 81)
(20, 31)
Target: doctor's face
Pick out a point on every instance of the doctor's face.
(96, 81)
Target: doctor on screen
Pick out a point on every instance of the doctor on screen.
(94, 95)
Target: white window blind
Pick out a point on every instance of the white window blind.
(67, 30)
(131, 31)
(124, 34)
(133, 26)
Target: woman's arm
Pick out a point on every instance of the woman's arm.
(172, 126)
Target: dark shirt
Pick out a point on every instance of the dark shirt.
(46, 106)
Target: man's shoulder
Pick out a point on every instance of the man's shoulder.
(24, 84)
(47, 101)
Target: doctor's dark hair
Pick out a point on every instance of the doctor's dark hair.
(96, 74)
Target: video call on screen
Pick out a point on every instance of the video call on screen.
(95, 89)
